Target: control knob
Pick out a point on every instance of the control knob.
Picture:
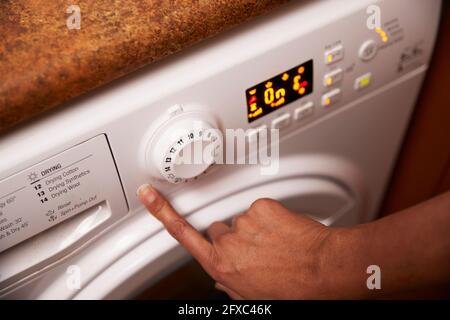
(183, 147)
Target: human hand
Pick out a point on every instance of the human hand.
(268, 252)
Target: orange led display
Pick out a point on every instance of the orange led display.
(279, 91)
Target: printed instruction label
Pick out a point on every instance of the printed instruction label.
(48, 193)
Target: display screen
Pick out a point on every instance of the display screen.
(279, 91)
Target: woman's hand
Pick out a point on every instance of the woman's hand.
(268, 252)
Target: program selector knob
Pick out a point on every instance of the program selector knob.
(182, 148)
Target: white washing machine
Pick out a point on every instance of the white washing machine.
(338, 81)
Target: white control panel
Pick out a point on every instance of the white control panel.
(56, 189)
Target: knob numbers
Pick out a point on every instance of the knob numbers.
(183, 147)
(186, 158)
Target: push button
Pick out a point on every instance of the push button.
(364, 81)
(304, 111)
(334, 55)
(368, 50)
(331, 97)
(174, 110)
(333, 77)
(282, 121)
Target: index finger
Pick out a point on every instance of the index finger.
(194, 242)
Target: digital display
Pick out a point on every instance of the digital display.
(279, 91)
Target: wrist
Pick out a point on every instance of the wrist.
(343, 264)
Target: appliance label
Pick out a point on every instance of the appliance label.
(54, 190)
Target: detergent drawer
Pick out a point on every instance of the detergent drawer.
(49, 207)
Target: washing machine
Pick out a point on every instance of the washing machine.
(335, 84)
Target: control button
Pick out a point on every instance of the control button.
(304, 111)
(333, 77)
(253, 133)
(331, 97)
(174, 110)
(363, 81)
(169, 152)
(334, 55)
(368, 50)
(282, 121)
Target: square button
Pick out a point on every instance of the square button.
(330, 98)
(335, 54)
(333, 77)
(282, 121)
(364, 81)
(304, 111)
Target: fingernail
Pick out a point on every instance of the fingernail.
(145, 192)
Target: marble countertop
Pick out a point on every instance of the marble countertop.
(48, 55)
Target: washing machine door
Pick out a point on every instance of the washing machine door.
(323, 199)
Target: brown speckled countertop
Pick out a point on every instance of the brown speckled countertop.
(43, 63)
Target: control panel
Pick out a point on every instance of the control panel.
(288, 88)
(348, 60)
